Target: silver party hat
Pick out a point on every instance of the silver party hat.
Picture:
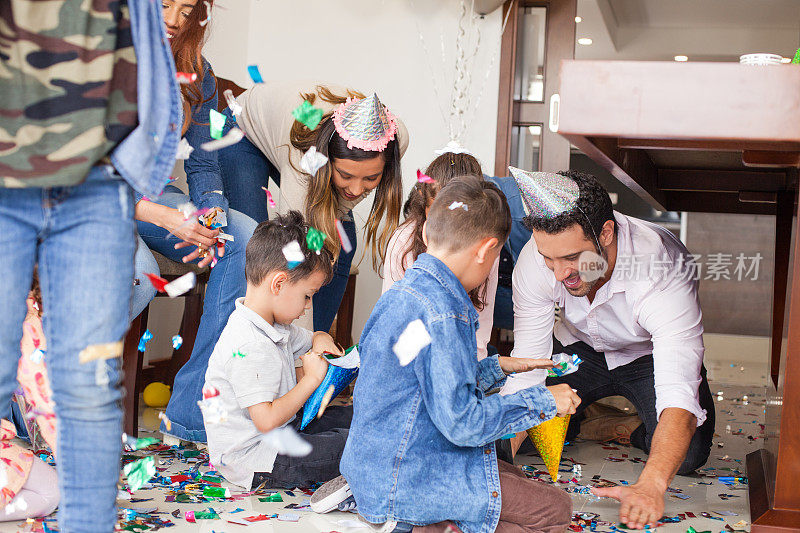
(366, 124)
(546, 194)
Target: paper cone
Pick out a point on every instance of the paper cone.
(548, 437)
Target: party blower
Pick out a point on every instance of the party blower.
(341, 371)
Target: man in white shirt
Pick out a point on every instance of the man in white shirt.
(630, 313)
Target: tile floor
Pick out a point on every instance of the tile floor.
(738, 420)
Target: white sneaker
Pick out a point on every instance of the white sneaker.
(329, 495)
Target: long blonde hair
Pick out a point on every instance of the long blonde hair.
(321, 199)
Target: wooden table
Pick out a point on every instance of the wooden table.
(719, 138)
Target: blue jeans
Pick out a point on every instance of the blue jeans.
(245, 169)
(226, 283)
(83, 238)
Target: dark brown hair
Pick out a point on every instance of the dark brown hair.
(465, 211)
(321, 204)
(187, 46)
(442, 170)
(264, 252)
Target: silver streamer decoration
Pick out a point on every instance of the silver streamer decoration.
(462, 107)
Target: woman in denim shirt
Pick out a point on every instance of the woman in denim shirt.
(163, 227)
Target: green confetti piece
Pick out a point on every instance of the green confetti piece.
(315, 239)
(216, 492)
(211, 514)
(308, 115)
(796, 59)
(139, 472)
(272, 498)
(191, 453)
(237, 353)
(144, 443)
(217, 123)
(211, 479)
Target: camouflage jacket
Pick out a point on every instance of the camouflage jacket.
(85, 83)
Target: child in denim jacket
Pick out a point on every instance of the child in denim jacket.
(421, 446)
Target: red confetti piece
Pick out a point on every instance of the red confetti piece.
(424, 178)
(157, 281)
(186, 77)
(270, 201)
(209, 391)
(256, 518)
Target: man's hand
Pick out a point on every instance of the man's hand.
(522, 364)
(314, 367)
(566, 399)
(640, 504)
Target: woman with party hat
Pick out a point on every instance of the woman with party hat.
(627, 291)
(328, 148)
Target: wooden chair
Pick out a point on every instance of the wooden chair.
(135, 377)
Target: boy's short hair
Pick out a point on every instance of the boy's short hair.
(592, 210)
(465, 211)
(264, 252)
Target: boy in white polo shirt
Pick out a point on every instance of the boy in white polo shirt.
(265, 368)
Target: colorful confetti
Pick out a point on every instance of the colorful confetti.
(307, 114)
(216, 123)
(146, 336)
(232, 137)
(347, 246)
(424, 178)
(254, 73)
(312, 161)
(315, 239)
(413, 339)
(293, 254)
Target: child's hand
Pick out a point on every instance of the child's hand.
(314, 367)
(324, 343)
(566, 399)
(522, 364)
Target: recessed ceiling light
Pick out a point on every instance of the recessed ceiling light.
(578, 19)
(785, 60)
(681, 59)
(585, 41)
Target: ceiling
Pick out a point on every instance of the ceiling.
(704, 30)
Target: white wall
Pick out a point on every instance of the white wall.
(370, 45)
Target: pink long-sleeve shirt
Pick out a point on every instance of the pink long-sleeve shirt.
(395, 265)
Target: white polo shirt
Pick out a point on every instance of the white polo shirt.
(253, 362)
(648, 306)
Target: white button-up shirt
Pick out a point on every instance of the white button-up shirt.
(648, 306)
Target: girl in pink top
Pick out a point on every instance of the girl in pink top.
(28, 485)
(406, 242)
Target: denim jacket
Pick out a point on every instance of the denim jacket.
(202, 168)
(421, 445)
(146, 156)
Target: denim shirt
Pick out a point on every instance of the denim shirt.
(421, 445)
(146, 156)
(203, 177)
(202, 168)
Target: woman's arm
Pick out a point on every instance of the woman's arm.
(202, 168)
(486, 315)
(192, 233)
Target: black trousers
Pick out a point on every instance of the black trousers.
(635, 381)
(327, 435)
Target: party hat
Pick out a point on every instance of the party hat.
(545, 194)
(336, 378)
(366, 123)
(548, 437)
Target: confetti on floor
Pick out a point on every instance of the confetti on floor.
(179, 495)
